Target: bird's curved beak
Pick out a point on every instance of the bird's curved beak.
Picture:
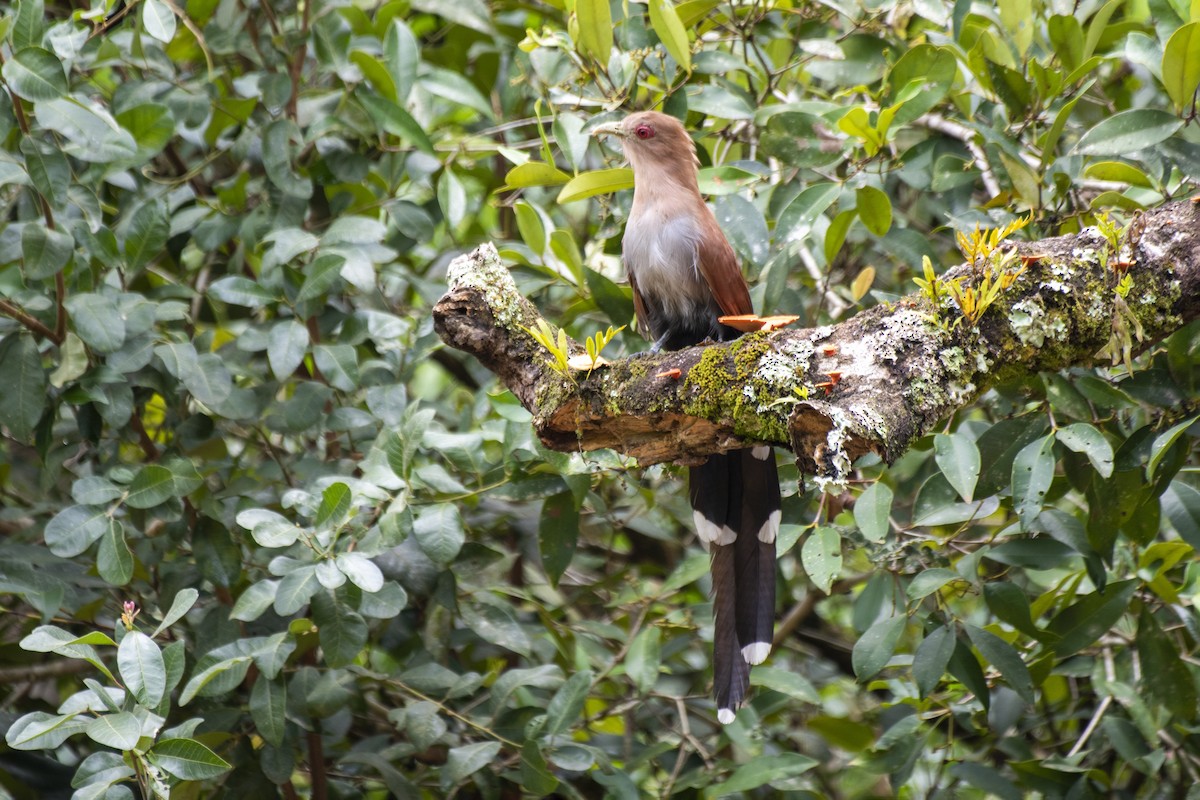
(610, 129)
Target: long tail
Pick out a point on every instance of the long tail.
(735, 502)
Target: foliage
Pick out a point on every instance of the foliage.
(265, 537)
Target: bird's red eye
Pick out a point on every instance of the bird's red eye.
(644, 132)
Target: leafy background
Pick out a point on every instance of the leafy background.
(264, 536)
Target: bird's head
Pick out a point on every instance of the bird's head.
(651, 139)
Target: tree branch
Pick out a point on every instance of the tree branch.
(873, 383)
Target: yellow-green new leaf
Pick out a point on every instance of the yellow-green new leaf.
(874, 209)
(1181, 64)
(534, 173)
(595, 28)
(666, 23)
(599, 181)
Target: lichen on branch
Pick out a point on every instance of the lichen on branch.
(873, 383)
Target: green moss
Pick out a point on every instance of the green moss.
(726, 379)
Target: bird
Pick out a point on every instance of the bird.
(685, 276)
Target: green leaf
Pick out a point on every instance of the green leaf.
(465, 760)
(595, 28)
(957, 457)
(343, 632)
(338, 364)
(403, 55)
(1166, 677)
(1181, 504)
(666, 23)
(296, 589)
(534, 173)
(146, 236)
(872, 511)
(1118, 171)
(875, 647)
(874, 209)
(558, 532)
(24, 394)
(187, 760)
(929, 581)
(35, 74)
(1181, 64)
(1081, 437)
(361, 571)
(142, 669)
(999, 445)
(151, 125)
(598, 181)
(536, 777)
(320, 277)
(786, 682)
(438, 529)
(567, 703)
(1082, 623)
(644, 657)
(424, 723)
(821, 555)
(268, 528)
(1010, 605)
(797, 220)
(932, 657)
(158, 20)
(44, 251)
(30, 24)
(72, 530)
(1128, 131)
(335, 505)
(497, 624)
(183, 602)
(277, 151)
(153, 486)
(49, 170)
(1001, 655)
(761, 771)
(73, 363)
(395, 121)
(119, 731)
(1163, 444)
(1032, 474)
(239, 664)
(614, 301)
(98, 321)
(42, 731)
(240, 292)
(114, 561)
(254, 601)
(90, 132)
(268, 709)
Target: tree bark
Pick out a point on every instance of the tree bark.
(874, 383)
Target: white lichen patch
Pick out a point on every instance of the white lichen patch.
(1025, 318)
(905, 326)
(800, 350)
(1056, 286)
(954, 359)
(1064, 271)
(833, 466)
(483, 271)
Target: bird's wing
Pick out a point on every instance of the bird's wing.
(719, 267)
(639, 308)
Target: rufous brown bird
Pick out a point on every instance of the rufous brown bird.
(684, 276)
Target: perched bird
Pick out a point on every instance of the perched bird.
(684, 276)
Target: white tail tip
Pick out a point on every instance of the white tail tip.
(757, 652)
(725, 716)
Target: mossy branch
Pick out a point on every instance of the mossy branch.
(873, 383)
